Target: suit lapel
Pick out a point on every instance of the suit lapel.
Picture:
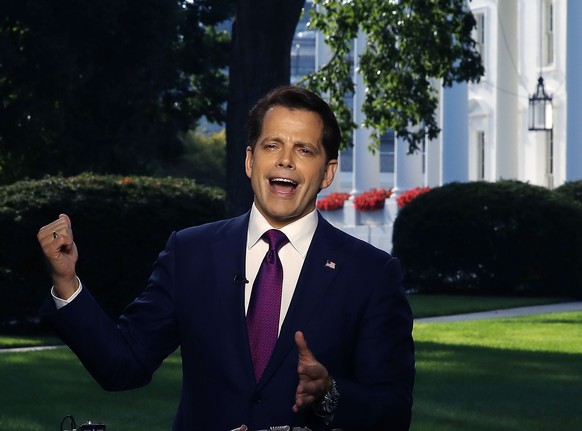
(229, 251)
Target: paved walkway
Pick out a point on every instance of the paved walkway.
(509, 312)
(30, 349)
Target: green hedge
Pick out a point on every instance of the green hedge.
(120, 225)
(571, 190)
(506, 237)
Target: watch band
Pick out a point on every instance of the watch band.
(328, 404)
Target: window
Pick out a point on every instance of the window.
(547, 33)
(303, 47)
(424, 157)
(386, 155)
(480, 156)
(302, 55)
(387, 152)
(550, 158)
(347, 160)
(479, 35)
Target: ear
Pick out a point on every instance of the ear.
(249, 161)
(329, 173)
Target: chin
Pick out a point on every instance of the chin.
(283, 217)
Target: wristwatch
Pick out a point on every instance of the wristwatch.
(328, 403)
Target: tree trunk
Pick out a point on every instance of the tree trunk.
(262, 34)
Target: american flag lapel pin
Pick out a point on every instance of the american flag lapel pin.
(330, 264)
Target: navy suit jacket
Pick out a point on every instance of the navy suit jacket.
(348, 302)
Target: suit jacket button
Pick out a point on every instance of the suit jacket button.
(256, 398)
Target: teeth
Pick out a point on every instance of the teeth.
(284, 180)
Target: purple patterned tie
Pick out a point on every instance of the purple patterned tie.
(265, 304)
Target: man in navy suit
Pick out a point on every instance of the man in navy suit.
(344, 355)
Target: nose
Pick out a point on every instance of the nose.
(285, 159)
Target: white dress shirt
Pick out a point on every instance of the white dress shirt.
(292, 254)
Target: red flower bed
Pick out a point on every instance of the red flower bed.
(372, 200)
(409, 195)
(333, 201)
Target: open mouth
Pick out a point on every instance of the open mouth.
(283, 185)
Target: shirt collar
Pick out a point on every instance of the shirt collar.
(299, 232)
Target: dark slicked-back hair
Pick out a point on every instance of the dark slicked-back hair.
(300, 99)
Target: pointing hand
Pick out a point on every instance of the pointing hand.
(314, 380)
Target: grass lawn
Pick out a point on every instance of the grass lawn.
(491, 375)
(40, 388)
(500, 374)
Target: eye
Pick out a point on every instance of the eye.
(306, 151)
(270, 145)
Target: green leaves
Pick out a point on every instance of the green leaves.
(411, 46)
(106, 86)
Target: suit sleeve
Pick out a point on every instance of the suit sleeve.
(122, 354)
(379, 397)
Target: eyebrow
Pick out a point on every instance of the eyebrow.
(296, 142)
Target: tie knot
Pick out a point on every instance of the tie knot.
(276, 239)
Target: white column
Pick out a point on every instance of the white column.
(433, 153)
(574, 91)
(508, 86)
(433, 163)
(455, 134)
(408, 170)
(366, 165)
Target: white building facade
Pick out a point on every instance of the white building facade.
(485, 126)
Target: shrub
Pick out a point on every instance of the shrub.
(120, 225)
(372, 199)
(571, 190)
(333, 201)
(503, 237)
